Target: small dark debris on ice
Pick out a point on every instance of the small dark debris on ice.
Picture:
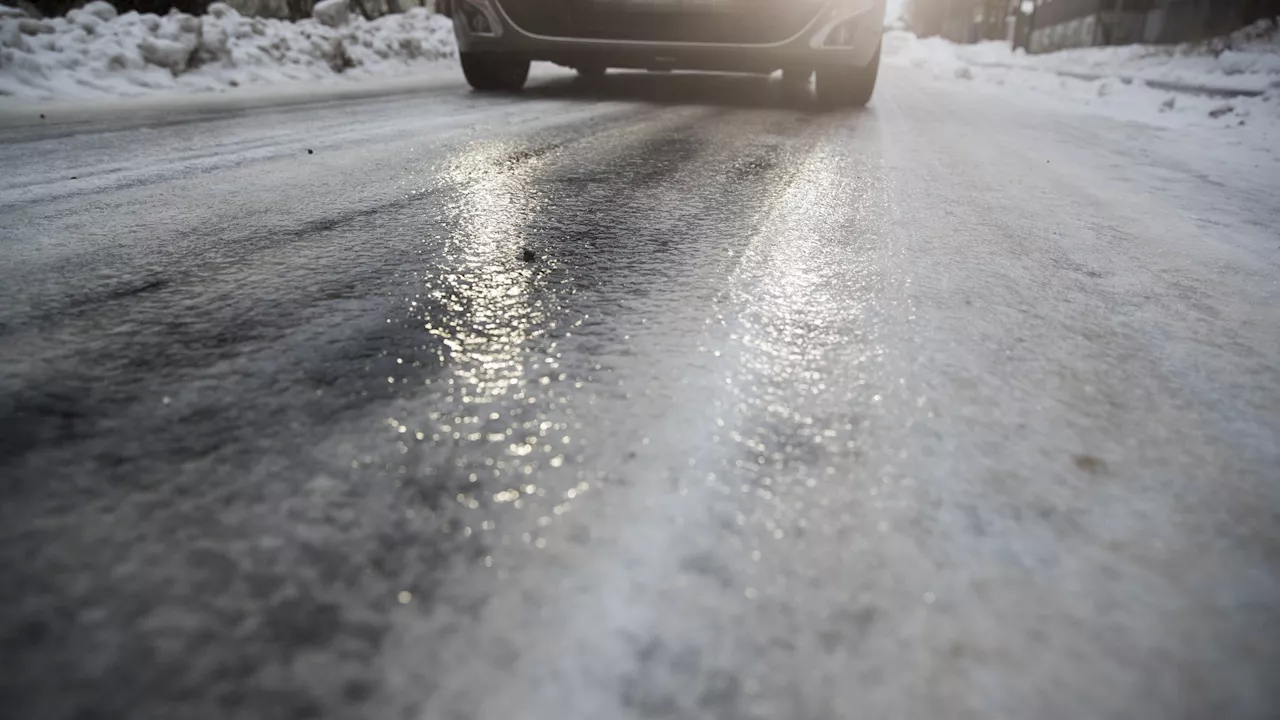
(1221, 110)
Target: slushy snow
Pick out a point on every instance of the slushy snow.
(96, 52)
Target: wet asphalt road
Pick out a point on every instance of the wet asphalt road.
(956, 407)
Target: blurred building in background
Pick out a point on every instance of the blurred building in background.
(1046, 25)
(1075, 23)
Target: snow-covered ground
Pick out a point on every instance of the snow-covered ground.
(1247, 61)
(95, 52)
(1188, 85)
(980, 394)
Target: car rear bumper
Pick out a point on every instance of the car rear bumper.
(828, 33)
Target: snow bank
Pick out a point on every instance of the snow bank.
(1174, 81)
(1248, 60)
(904, 48)
(94, 51)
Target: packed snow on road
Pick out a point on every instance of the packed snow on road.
(653, 396)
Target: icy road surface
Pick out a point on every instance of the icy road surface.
(959, 407)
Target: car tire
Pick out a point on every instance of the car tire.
(494, 72)
(848, 87)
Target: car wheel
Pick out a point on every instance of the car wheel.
(848, 87)
(591, 71)
(494, 72)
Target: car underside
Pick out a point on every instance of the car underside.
(839, 40)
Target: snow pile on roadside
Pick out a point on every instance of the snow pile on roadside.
(1247, 60)
(1135, 80)
(94, 51)
(904, 48)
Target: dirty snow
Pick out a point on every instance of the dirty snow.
(1172, 85)
(95, 52)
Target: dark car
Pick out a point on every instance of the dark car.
(838, 40)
